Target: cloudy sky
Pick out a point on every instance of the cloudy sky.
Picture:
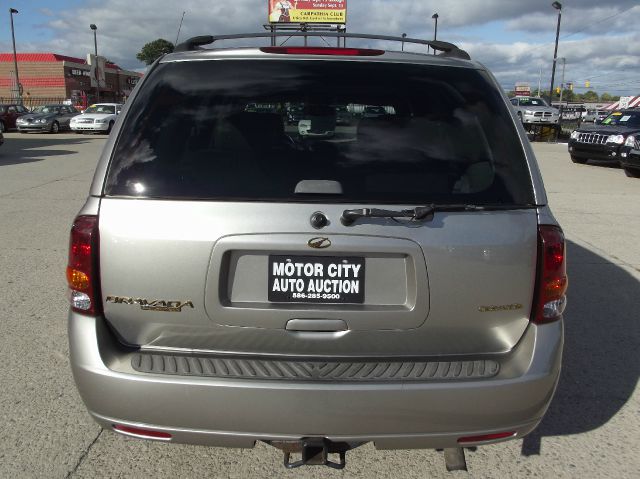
(600, 39)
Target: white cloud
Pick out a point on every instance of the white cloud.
(124, 26)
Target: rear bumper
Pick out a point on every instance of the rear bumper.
(236, 413)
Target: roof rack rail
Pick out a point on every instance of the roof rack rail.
(447, 49)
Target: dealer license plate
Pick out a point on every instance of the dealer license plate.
(316, 279)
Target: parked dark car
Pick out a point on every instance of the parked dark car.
(343, 115)
(630, 156)
(604, 141)
(51, 118)
(374, 112)
(9, 113)
(294, 114)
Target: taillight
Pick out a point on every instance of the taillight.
(552, 275)
(350, 52)
(82, 270)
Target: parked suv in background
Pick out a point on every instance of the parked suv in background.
(604, 141)
(595, 115)
(9, 113)
(534, 110)
(232, 282)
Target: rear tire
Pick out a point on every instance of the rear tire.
(55, 127)
(2, 127)
(110, 127)
(580, 161)
(632, 172)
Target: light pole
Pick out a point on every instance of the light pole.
(95, 47)
(557, 6)
(435, 29)
(559, 130)
(404, 35)
(18, 89)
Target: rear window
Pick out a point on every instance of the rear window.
(224, 130)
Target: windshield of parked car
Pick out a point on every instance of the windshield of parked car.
(623, 118)
(221, 130)
(106, 109)
(532, 102)
(47, 109)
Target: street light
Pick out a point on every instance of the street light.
(557, 6)
(435, 31)
(18, 87)
(95, 46)
(560, 111)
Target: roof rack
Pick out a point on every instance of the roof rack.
(447, 49)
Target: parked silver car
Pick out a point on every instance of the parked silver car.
(231, 282)
(534, 110)
(47, 118)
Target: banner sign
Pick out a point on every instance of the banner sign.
(98, 65)
(307, 11)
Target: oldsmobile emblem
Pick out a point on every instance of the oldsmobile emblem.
(151, 305)
(500, 307)
(319, 242)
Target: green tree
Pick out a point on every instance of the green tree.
(591, 96)
(154, 50)
(606, 97)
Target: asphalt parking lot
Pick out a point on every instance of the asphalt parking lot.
(591, 430)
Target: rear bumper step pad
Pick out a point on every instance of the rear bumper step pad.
(243, 368)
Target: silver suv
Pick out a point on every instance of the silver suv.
(401, 281)
(535, 110)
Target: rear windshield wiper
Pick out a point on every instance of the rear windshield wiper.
(421, 213)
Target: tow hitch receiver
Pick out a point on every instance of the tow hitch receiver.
(454, 459)
(315, 452)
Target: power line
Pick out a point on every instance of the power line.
(583, 29)
(597, 22)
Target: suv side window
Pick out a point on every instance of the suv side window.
(11, 109)
(514, 101)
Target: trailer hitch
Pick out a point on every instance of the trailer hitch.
(314, 452)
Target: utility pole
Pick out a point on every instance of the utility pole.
(435, 30)
(559, 130)
(557, 6)
(179, 28)
(18, 87)
(95, 47)
(539, 83)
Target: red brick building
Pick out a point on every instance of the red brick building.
(49, 77)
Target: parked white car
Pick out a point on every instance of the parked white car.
(99, 117)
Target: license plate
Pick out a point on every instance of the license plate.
(316, 279)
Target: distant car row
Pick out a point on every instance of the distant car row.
(614, 139)
(532, 110)
(53, 118)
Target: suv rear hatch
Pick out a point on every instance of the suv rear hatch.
(206, 241)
